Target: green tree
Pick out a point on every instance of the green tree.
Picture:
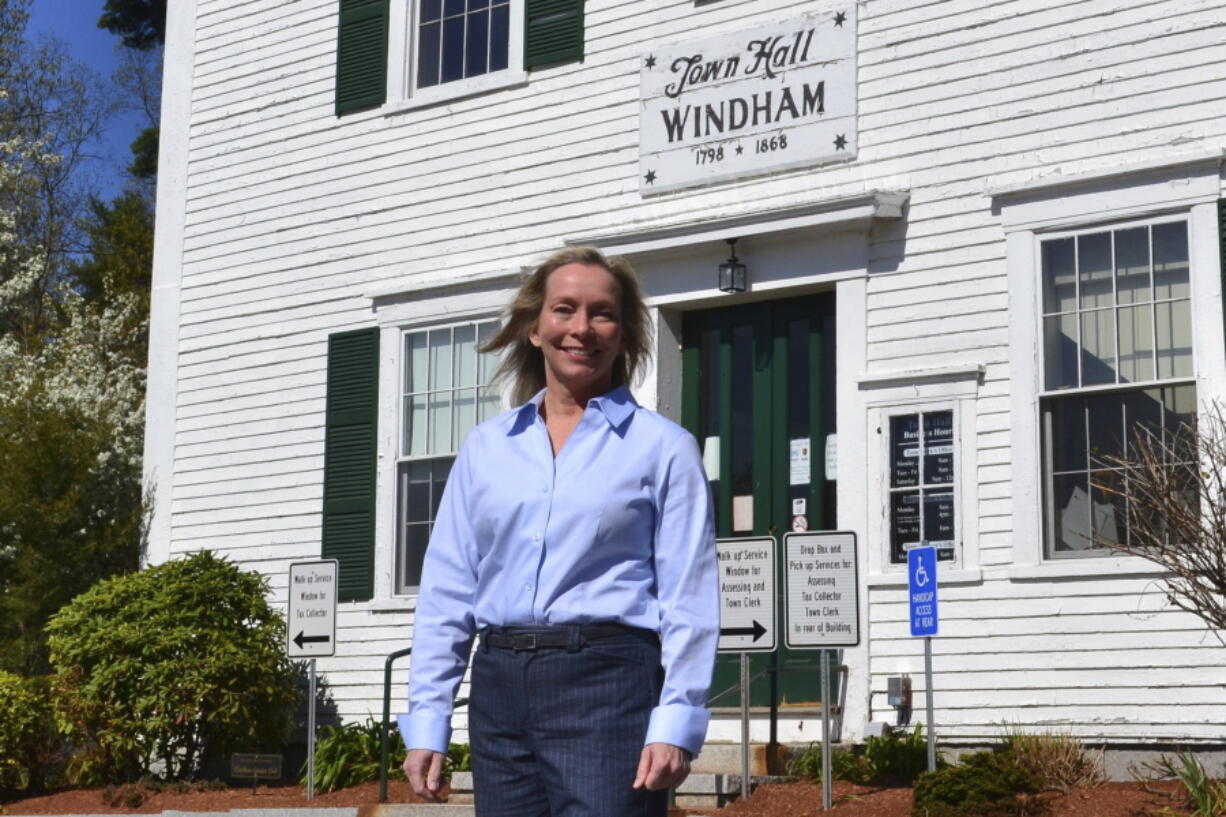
(177, 665)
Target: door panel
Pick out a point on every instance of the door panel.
(759, 395)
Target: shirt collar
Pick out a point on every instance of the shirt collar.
(615, 405)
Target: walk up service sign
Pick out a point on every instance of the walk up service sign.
(750, 102)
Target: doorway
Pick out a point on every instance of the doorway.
(758, 393)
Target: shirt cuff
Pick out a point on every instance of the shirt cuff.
(425, 730)
(680, 725)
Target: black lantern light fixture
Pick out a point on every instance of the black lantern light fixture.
(733, 275)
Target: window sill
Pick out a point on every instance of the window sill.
(1090, 567)
(456, 91)
(973, 575)
(395, 604)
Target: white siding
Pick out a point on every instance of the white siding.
(292, 215)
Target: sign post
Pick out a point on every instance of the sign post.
(823, 609)
(312, 615)
(746, 614)
(925, 621)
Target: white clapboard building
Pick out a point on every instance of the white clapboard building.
(980, 244)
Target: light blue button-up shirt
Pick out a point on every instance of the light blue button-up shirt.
(618, 527)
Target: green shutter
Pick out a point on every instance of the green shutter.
(1221, 240)
(349, 460)
(553, 32)
(361, 55)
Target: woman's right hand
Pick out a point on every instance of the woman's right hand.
(424, 769)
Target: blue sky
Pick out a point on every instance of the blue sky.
(76, 22)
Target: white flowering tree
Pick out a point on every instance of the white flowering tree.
(72, 375)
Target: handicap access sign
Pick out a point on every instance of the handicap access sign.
(922, 590)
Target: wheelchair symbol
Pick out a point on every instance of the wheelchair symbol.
(921, 575)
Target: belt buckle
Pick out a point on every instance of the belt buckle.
(523, 641)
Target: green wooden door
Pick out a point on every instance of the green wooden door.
(758, 394)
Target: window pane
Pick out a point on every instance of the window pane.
(417, 490)
(1064, 431)
(431, 10)
(442, 470)
(904, 524)
(416, 372)
(453, 7)
(1171, 260)
(453, 49)
(477, 47)
(500, 26)
(1105, 422)
(1060, 351)
(938, 447)
(415, 425)
(465, 414)
(440, 359)
(1109, 511)
(428, 45)
(1132, 265)
(1136, 343)
(478, 4)
(487, 363)
(1179, 408)
(488, 404)
(904, 451)
(1094, 270)
(1098, 347)
(1070, 503)
(1059, 276)
(416, 539)
(939, 517)
(1173, 322)
(466, 355)
(440, 423)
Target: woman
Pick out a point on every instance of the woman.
(575, 536)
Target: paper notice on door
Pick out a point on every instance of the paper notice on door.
(742, 514)
(710, 458)
(832, 457)
(798, 462)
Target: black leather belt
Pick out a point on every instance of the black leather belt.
(541, 638)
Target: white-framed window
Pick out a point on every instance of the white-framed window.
(922, 483)
(443, 49)
(445, 391)
(1103, 333)
(1117, 351)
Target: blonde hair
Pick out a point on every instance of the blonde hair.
(525, 365)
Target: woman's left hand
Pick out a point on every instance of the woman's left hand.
(662, 766)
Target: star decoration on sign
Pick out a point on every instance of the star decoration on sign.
(650, 178)
(651, 61)
(840, 142)
(739, 150)
(840, 18)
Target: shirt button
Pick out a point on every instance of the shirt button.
(536, 537)
(528, 587)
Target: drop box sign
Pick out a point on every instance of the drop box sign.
(749, 102)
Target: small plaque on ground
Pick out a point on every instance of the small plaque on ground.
(252, 766)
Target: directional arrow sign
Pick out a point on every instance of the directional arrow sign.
(746, 594)
(756, 631)
(312, 609)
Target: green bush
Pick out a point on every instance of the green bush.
(984, 784)
(892, 759)
(176, 665)
(347, 755)
(28, 743)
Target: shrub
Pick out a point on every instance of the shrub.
(175, 665)
(28, 743)
(1062, 762)
(1205, 797)
(347, 755)
(888, 760)
(984, 784)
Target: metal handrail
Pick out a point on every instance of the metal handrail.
(385, 749)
